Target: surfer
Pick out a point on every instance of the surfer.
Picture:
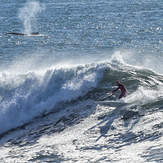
(122, 88)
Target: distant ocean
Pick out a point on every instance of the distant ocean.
(50, 80)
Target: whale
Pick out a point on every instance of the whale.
(23, 34)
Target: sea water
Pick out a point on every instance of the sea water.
(49, 81)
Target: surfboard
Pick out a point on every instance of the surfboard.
(112, 103)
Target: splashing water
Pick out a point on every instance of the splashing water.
(28, 13)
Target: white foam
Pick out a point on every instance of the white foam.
(144, 96)
(30, 94)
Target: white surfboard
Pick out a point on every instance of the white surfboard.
(112, 103)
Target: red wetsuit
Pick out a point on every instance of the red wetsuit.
(123, 89)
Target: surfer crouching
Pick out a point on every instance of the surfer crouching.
(122, 88)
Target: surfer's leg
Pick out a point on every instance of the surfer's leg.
(123, 94)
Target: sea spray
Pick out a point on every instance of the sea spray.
(32, 94)
(28, 13)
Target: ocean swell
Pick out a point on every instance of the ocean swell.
(25, 96)
(29, 95)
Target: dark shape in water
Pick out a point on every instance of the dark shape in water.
(15, 33)
(130, 114)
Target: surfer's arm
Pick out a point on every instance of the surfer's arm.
(115, 90)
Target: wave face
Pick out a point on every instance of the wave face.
(59, 104)
(30, 95)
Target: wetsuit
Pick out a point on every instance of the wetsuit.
(123, 89)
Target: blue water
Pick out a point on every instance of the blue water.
(49, 81)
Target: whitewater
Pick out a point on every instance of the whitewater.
(51, 82)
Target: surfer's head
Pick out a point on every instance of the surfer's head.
(117, 82)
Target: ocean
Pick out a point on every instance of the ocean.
(58, 58)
